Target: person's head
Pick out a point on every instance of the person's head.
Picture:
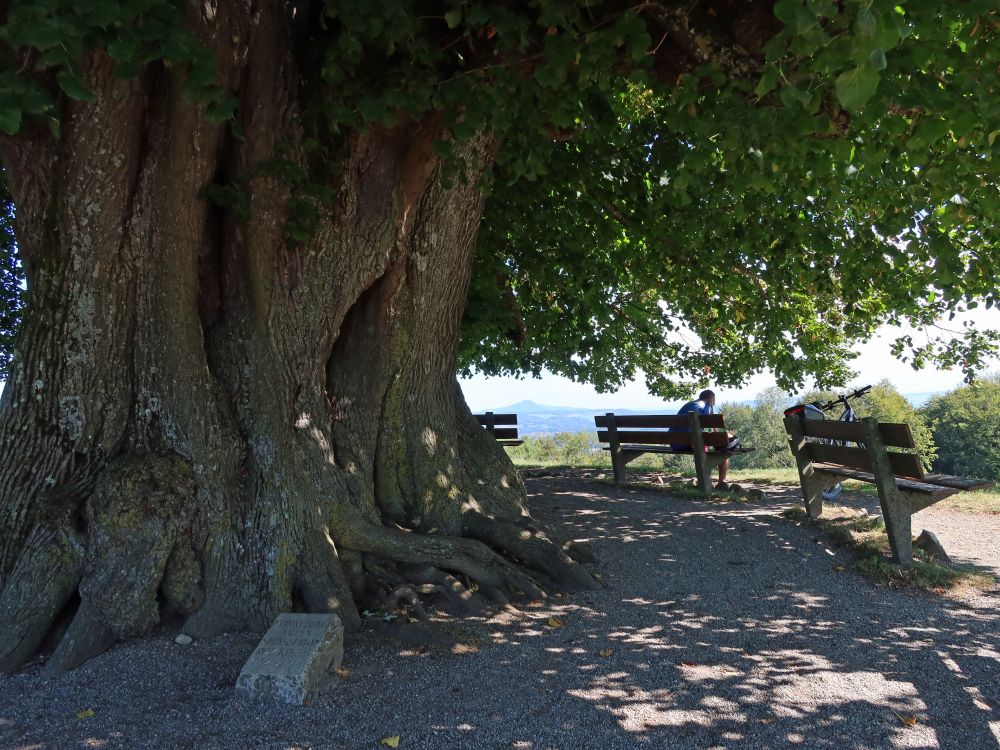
(708, 397)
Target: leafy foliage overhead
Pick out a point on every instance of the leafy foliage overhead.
(696, 191)
(720, 225)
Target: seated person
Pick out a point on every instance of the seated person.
(705, 405)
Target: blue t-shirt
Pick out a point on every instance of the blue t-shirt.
(702, 407)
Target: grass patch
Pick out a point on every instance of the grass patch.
(866, 536)
(979, 501)
(924, 574)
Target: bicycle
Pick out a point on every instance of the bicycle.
(818, 410)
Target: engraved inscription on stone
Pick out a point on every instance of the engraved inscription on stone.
(294, 658)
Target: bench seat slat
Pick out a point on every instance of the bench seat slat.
(668, 449)
(909, 485)
(960, 483)
(660, 421)
(505, 433)
(718, 439)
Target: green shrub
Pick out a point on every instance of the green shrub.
(966, 427)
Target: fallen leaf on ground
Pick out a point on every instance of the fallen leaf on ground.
(909, 720)
(555, 622)
(390, 741)
(605, 652)
(85, 714)
(840, 568)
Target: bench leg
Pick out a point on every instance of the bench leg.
(619, 460)
(896, 514)
(618, 464)
(812, 484)
(812, 493)
(702, 472)
(705, 465)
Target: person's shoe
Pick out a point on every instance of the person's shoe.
(732, 445)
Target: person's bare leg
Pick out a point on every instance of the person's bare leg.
(723, 468)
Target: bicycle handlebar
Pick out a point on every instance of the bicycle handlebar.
(843, 399)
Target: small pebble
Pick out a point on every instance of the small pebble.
(183, 640)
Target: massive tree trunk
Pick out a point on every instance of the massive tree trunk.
(211, 420)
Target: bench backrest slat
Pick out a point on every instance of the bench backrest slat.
(660, 421)
(497, 419)
(903, 464)
(895, 435)
(718, 439)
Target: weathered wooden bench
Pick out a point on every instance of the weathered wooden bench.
(903, 488)
(506, 435)
(648, 433)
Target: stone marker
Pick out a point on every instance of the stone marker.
(293, 659)
(929, 543)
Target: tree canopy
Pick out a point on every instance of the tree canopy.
(724, 225)
(694, 193)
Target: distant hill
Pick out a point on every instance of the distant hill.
(546, 419)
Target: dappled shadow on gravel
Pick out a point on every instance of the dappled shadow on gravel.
(718, 625)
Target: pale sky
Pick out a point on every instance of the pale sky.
(875, 363)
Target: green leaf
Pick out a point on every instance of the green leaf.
(221, 108)
(74, 86)
(856, 87)
(866, 23)
(122, 49)
(767, 80)
(10, 120)
(453, 18)
(877, 60)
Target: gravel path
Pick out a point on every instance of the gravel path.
(728, 627)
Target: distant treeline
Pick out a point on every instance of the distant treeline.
(956, 433)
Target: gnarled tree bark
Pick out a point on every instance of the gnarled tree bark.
(208, 419)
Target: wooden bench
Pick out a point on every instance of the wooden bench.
(506, 436)
(630, 435)
(903, 488)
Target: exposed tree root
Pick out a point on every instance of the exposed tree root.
(88, 636)
(322, 583)
(408, 595)
(531, 546)
(580, 552)
(134, 515)
(468, 556)
(42, 582)
(457, 594)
